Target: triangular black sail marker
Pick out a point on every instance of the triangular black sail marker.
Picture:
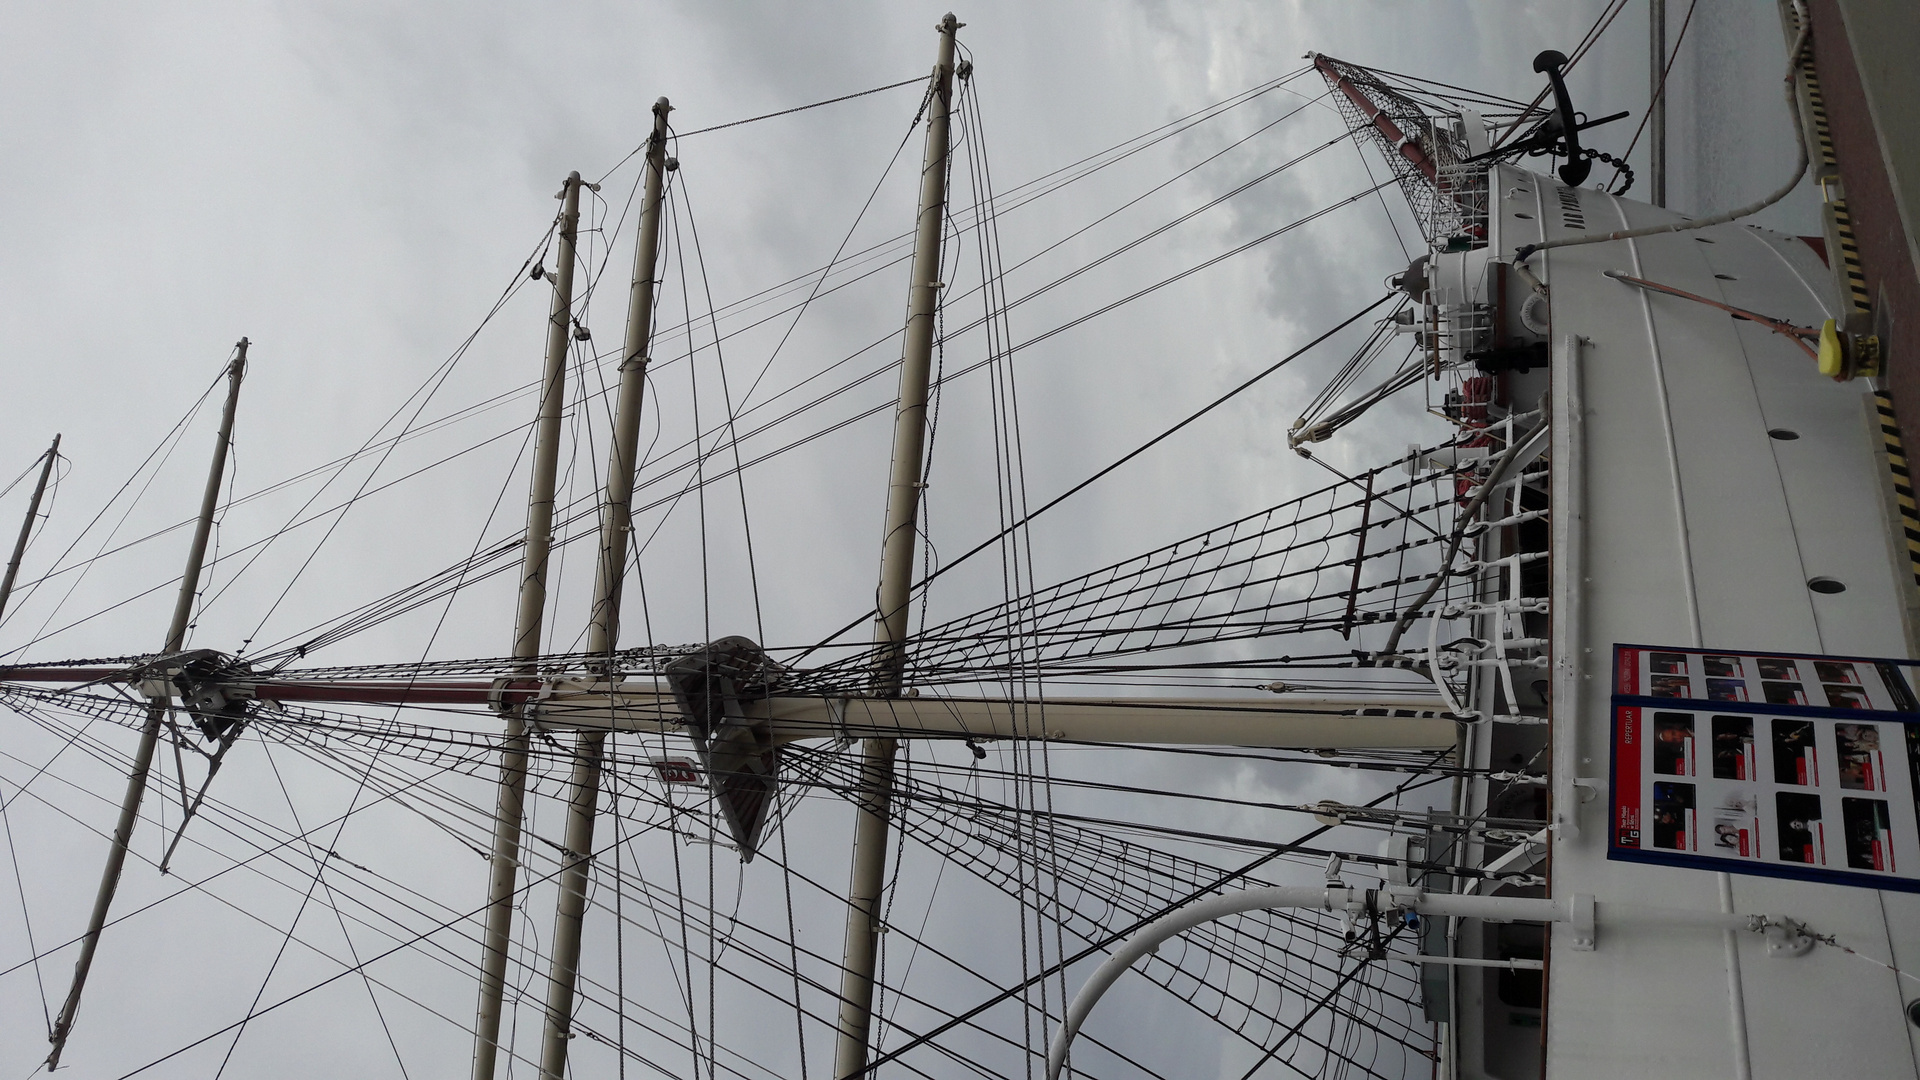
(741, 761)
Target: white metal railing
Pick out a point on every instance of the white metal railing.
(1501, 643)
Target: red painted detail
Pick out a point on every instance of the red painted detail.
(1475, 394)
(1398, 139)
(515, 692)
(1819, 246)
(1626, 779)
(1799, 335)
(677, 770)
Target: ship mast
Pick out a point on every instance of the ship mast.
(156, 712)
(606, 701)
(1427, 159)
(603, 633)
(504, 860)
(896, 580)
(26, 527)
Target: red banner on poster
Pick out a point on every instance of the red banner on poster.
(1626, 758)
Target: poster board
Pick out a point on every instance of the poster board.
(1779, 764)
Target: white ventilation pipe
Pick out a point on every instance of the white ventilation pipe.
(1786, 937)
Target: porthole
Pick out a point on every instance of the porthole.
(1726, 277)
(1913, 1012)
(1703, 239)
(1783, 434)
(1524, 217)
(1825, 585)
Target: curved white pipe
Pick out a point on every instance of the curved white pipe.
(1323, 897)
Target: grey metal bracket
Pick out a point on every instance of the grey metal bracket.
(1584, 937)
(1786, 937)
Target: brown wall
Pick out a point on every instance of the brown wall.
(1885, 255)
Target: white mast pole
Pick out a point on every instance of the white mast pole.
(156, 712)
(528, 621)
(26, 527)
(604, 629)
(896, 581)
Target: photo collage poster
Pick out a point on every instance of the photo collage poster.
(1767, 763)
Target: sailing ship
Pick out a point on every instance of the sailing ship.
(1653, 473)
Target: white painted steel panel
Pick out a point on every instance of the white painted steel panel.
(1696, 522)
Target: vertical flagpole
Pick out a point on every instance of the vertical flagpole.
(603, 633)
(896, 582)
(156, 712)
(505, 859)
(26, 527)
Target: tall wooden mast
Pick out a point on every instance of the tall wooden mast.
(873, 805)
(528, 623)
(26, 527)
(603, 633)
(156, 712)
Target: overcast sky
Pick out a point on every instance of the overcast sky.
(351, 189)
(352, 186)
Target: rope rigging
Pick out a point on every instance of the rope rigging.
(475, 816)
(1024, 828)
(583, 512)
(1019, 196)
(386, 906)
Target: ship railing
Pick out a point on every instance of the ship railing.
(1462, 214)
(1501, 644)
(1455, 326)
(1502, 663)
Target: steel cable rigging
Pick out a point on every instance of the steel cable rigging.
(1046, 184)
(1049, 847)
